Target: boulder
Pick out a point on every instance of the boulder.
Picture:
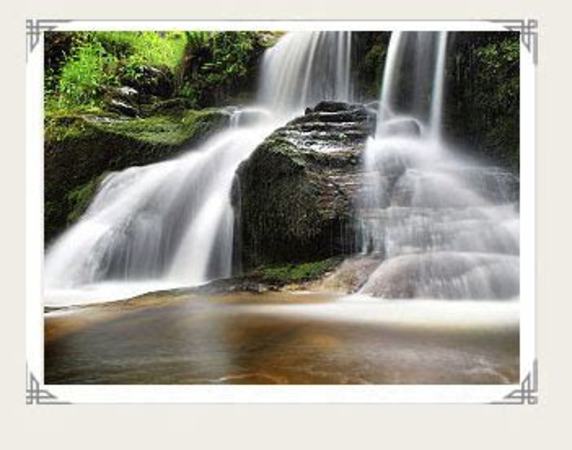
(295, 196)
(121, 107)
(401, 126)
(149, 81)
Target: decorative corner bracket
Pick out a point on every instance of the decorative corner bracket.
(528, 29)
(36, 395)
(34, 30)
(528, 392)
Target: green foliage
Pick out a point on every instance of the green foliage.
(217, 62)
(144, 47)
(80, 198)
(373, 67)
(201, 66)
(167, 130)
(81, 147)
(230, 53)
(296, 273)
(483, 96)
(96, 59)
(197, 39)
(88, 69)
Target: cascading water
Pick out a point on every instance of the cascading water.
(172, 222)
(443, 226)
(305, 68)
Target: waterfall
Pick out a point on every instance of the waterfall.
(304, 68)
(438, 87)
(172, 221)
(442, 225)
(389, 79)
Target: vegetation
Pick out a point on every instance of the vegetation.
(370, 50)
(94, 61)
(117, 99)
(203, 67)
(80, 198)
(482, 110)
(295, 273)
(79, 148)
(218, 64)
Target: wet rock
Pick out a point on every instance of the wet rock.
(402, 127)
(297, 191)
(350, 276)
(80, 148)
(450, 275)
(331, 106)
(149, 81)
(122, 107)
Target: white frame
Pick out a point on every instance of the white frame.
(287, 393)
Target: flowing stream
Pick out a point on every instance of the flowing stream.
(171, 223)
(444, 226)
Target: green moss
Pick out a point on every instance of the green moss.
(81, 147)
(80, 198)
(164, 130)
(144, 47)
(295, 273)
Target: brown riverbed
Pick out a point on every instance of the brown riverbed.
(282, 338)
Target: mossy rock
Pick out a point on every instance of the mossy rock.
(80, 198)
(295, 195)
(80, 148)
(294, 273)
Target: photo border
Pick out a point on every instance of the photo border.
(38, 393)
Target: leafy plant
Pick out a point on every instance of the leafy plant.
(85, 73)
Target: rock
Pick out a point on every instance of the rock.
(331, 106)
(80, 148)
(349, 276)
(122, 107)
(125, 92)
(297, 190)
(149, 81)
(170, 106)
(247, 116)
(373, 105)
(122, 100)
(401, 126)
(446, 275)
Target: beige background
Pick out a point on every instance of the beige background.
(297, 426)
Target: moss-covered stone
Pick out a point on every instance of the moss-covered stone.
(80, 198)
(79, 148)
(294, 273)
(294, 196)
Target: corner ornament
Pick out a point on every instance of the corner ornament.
(528, 392)
(34, 30)
(36, 395)
(528, 29)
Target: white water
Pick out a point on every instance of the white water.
(438, 88)
(443, 226)
(171, 223)
(305, 68)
